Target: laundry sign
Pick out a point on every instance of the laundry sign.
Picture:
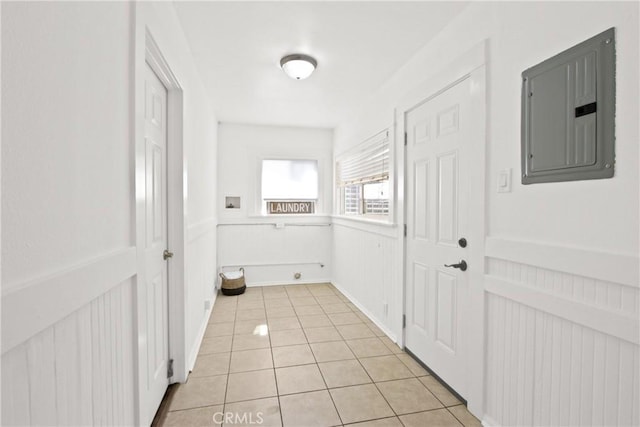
(291, 207)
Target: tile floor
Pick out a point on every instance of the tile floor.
(304, 356)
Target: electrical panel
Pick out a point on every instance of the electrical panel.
(568, 114)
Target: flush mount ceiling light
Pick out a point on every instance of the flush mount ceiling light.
(298, 66)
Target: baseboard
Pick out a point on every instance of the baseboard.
(281, 283)
(191, 362)
(363, 309)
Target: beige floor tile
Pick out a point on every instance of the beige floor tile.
(328, 299)
(464, 416)
(343, 373)
(331, 351)
(360, 403)
(222, 316)
(409, 395)
(309, 310)
(249, 327)
(283, 323)
(198, 417)
(344, 319)
(277, 302)
(302, 301)
(327, 333)
(280, 312)
(321, 289)
(298, 379)
(211, 364)
(219, 329)
(315, 321)
(376, 330)
(290, 337)
(335, 308)
(249, 342)
(292, 355)
(358, 313)
(251, 293)
(351, 332)
(212, 345)
(253, 314)
(313, 409)
(298, 293)
(413, 366)
(440, 391)
(196, 392)
(269, 294)
(322, 292)
(254, 304)
(250, 360)
(383, 422)
(437, 418)
(260, 412)
(251, 385)
(395, 349)
(368, 347)
(385, 368)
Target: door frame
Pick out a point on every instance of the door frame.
(472, 65)
(147, 51)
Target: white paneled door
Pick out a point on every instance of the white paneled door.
(157, 326)
(437, 182)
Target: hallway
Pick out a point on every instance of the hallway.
(303, 355)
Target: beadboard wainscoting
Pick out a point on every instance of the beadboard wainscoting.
(367, 267)
(562, 348)
(78, 371)
(271, 254)
(201, 282)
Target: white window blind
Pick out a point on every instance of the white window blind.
(368, 162)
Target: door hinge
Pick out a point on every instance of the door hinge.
(405, 139)
(170, 368)
(405, 230)
(404, 321)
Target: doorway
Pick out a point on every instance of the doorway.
(444, 175)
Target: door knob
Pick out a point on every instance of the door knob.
(166, 254)
(462, 242)
(462, 265)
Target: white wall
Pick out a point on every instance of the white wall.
(68, 199)
(247, 238)
(577, 241)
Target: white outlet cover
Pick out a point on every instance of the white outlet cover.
(504, 181)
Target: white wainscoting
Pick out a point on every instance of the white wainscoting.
(201, 279)
(368, 268)
(562, 348)
(271, 255)
(78, 371)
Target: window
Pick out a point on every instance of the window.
(363, 179)
(289, 186)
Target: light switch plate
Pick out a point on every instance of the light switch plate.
(504, 181)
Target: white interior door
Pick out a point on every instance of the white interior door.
(437, 182)
(157, 326)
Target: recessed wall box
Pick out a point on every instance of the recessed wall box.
(568, 114)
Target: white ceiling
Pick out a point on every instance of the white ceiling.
(237, 47)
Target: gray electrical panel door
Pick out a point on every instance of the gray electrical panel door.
(568, 113)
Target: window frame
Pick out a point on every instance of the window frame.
(261, 207)
(383, 137)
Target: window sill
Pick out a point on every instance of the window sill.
(365, 220)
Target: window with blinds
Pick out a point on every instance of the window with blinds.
(362, 178)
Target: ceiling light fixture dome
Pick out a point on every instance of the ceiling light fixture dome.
(298, 66)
